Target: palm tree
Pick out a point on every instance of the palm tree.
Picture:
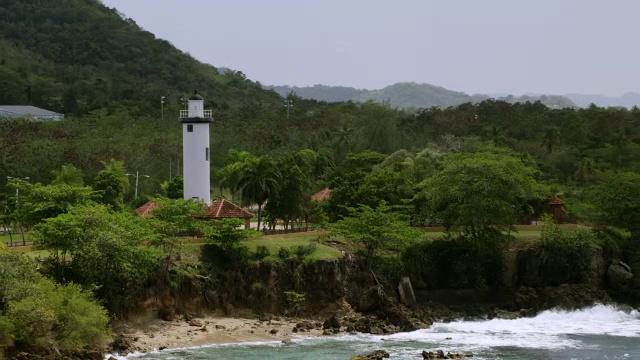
(259, 181)
(231, 173)
(69, 175)
(551, 138)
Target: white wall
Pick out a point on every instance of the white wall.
(197, 168)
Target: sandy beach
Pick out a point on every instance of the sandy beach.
(148, 333)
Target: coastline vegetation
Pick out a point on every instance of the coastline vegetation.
(475, 174)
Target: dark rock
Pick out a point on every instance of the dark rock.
(331, 323)
(571, 296)
(294, 330)
(274, 331)
(506, 315)
(373, 299)
(122, 344)
(526, 297)
(619, 276)
(375, 355)
(167, 314)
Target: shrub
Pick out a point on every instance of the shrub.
(458, 262)
(296, 301)
(303, 251)
(65, 316)
(261, 252)
(284, 253)
(566, 256)
(6, 333)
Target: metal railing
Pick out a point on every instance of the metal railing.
(184, 114)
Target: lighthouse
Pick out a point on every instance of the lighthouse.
(195, 150)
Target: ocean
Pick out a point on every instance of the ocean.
(599, 332)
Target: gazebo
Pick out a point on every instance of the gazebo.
(556, 205)
(322, 195)
(146, 209)
(220, 209)
(225, 209)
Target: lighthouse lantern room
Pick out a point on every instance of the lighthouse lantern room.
(195, 150)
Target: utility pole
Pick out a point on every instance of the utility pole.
(288, 103)
(162, 107)
(24, 241)
(135, 195)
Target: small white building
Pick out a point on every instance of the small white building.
(29, 112)
(195, 150)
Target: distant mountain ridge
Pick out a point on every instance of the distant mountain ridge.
(627, 100)
(410, 95)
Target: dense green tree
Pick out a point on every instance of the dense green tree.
(175, 188)
(112, 184)
(173, 219)
(373, 230)
(615, 202)
(231, 174)
(44, 315)
(38, 202)
(480, 190)
(550, 138)
(68, 174)
(260, 181)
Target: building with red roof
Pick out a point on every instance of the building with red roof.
(322, 195)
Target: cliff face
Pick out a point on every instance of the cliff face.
(340, 285)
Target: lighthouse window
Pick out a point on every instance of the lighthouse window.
(189, 128)
(206, 154)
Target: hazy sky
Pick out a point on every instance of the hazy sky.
(475, 46)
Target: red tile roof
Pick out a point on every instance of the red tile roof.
(556, 201)
(226, 209)
(321, 195)
(146, 209)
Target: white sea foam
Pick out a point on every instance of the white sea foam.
(549, 330)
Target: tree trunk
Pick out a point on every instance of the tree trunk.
(259, 215)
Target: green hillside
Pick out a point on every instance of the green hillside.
(74, 56)
(107, 75)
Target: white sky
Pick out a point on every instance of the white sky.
(475, 46)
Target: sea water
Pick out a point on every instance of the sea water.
(600, 332)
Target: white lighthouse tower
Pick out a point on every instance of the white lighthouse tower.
(195, 150)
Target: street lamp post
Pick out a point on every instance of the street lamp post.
(18, 190)
(162, 107)
(288, 103)
(24, 241)
(136, 175)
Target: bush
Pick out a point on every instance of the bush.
(566, 256)
(303, 251)
(6, 333)
(458, 262)
(284, 253)
(65, 316)
(296, 301)
(261, 253)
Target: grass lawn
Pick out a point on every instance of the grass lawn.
(276, 242)
(525, 236)
(17, 238)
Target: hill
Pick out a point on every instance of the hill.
(75, 56)
(627, 100)
(410, 95)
